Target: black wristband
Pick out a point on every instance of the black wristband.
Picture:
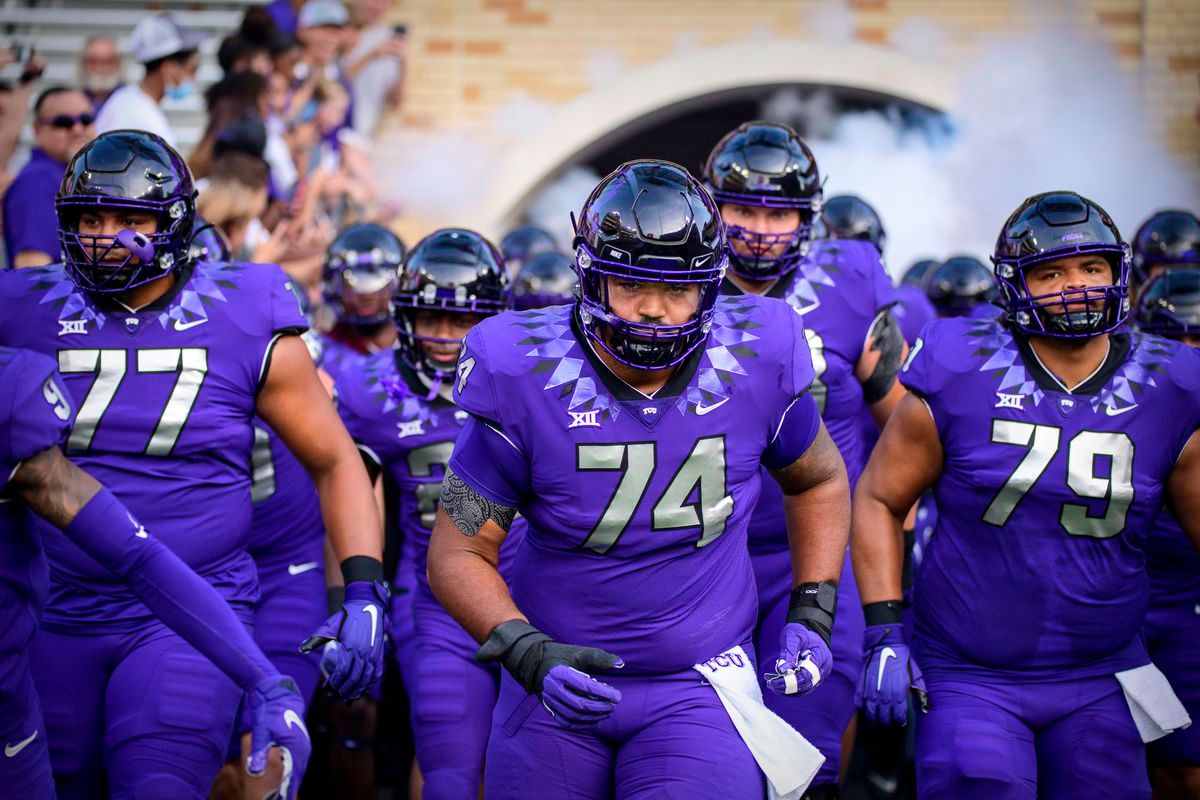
(362, 568)
(814, 605)
(886, 612)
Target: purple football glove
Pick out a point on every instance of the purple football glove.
(357, 660)
(276, 711)
(804, 660)
(889, 673)
(556, 673)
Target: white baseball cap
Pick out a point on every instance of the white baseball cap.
(160, 36)
(322, 13)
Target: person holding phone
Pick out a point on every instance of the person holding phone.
(374, 63)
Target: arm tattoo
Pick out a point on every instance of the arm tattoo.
(54, 487)
(469, 509)
(886, 339)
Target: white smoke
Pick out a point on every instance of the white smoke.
(551, 210)
(1047, 110)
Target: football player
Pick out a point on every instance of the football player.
(913, 309)
(523, 243)
(1166, 239)
(398, 408)
(36, 419)
(1030, 600)
(361, 269)
(629, 430)
(848, 216)
(168, 361)
(547, 279)
(1170, 306)
(961, 286)
(768, 189)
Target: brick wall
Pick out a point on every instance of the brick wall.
(468, 58)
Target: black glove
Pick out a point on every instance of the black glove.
(559, 674)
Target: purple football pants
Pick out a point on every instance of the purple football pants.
(821, 716)
(25, 766)
(1071, 740)
(141, 705)
(452, 699)
(1173, 638)
(668, 739)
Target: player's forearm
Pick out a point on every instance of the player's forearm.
(348, 508)
(463, 575)
(818, 523)
(876, 547)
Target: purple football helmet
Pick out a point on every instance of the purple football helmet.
(1057, 225)
(1170, 303)
(453, 270)
(209, 243)
(765, 164)
(648, 221)
(547, 279)
(126, 170)
(848, 216)
(1166, 239)
(959, 285)
(361, 273)
(524, 243)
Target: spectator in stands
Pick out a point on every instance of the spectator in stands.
(100, 70)
(239, 54)
(235, 198)
(321, 29)
(234, 97)
(62, 124)
(374, 64)
(284, 13)
(169, 53)
(14, 106)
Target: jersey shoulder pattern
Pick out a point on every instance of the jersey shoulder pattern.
(35, 412)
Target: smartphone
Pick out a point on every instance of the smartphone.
(400, 30)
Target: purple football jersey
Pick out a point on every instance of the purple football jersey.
(287, 510)
(637, 506)
(913, 311)
(336, 355)
(839, 288)
(410, 436)
(1172, 563)
(35, 414)
(165, 399)
(1035, 570)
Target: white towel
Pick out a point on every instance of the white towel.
(789, 761)
(1155, 708)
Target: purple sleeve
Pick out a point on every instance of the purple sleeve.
(286, 314)
(106, 531)
(921, 373)
(474, 385)
(30, 222)
(39, 413)
(797, 431)
(490, 464)
(881, 285)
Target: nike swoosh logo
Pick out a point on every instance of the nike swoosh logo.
(1112, 412)
(298, 569)
(374, 612)
(293, 721)
(702, 410)
(884, 655)
(11, 750)
(180, 325)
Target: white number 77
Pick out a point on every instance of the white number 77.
(110, 367)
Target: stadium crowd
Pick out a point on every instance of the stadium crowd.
(291, 506)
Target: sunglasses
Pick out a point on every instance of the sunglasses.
(66, 121)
